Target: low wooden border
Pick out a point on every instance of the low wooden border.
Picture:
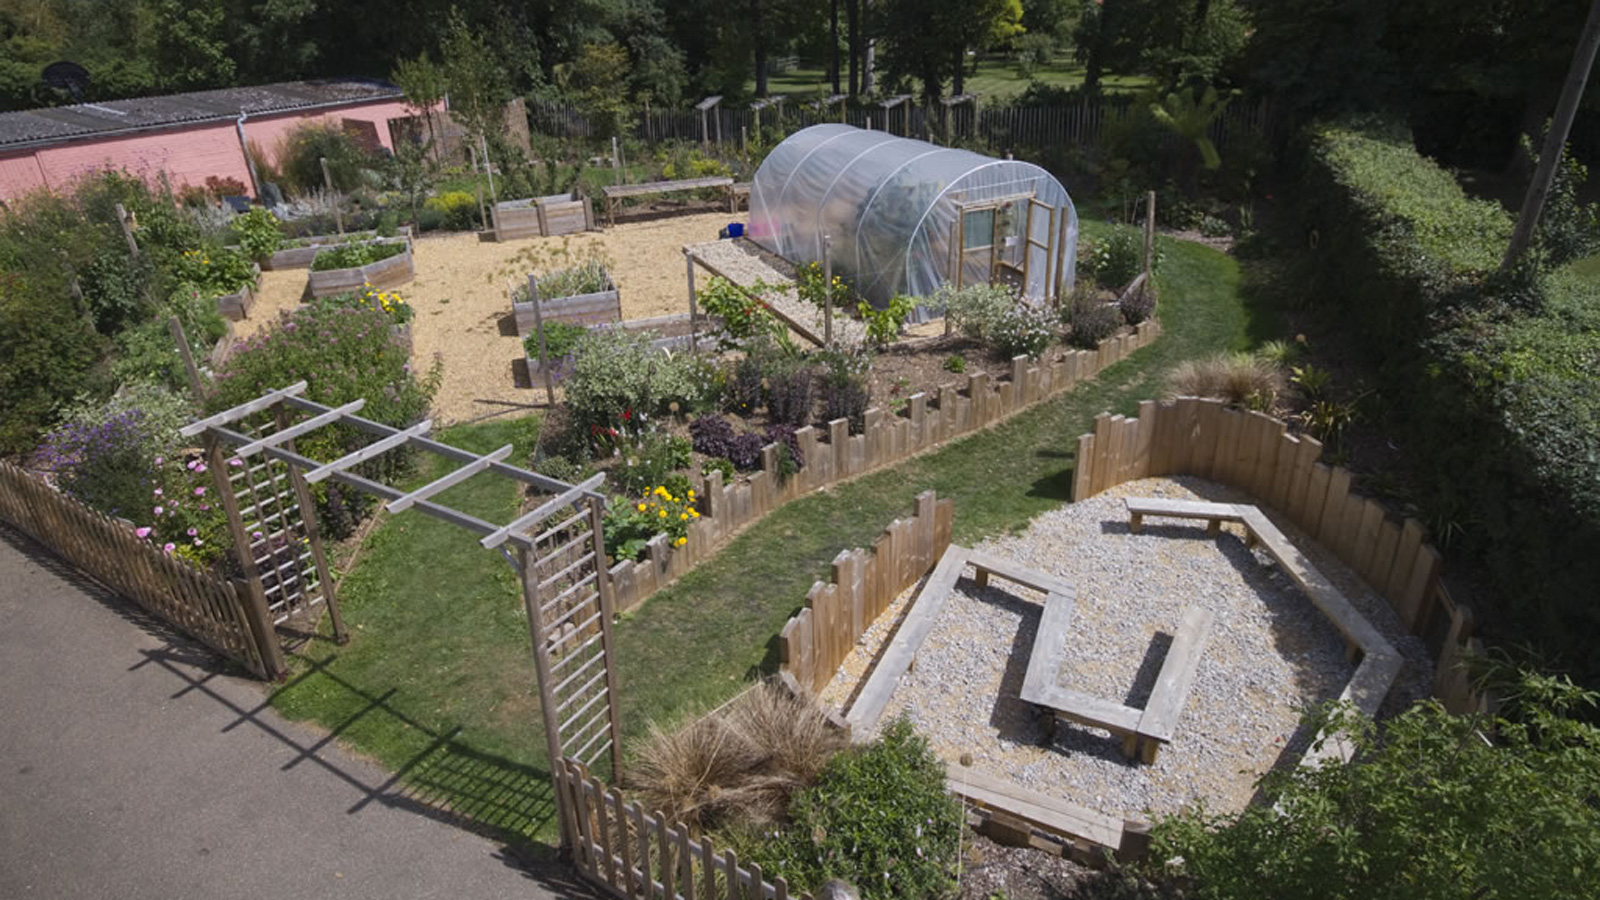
(551, 215)
(301, 257)
(235, 307)
(598, 308)
(384, 273)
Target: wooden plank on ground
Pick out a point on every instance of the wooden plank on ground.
(1051, 815)
(1316, 586)
(914, 629)
(1161, 712)
(1015, 572)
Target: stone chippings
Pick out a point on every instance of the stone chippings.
(1271, 655)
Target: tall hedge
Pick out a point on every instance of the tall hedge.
(1498, 401)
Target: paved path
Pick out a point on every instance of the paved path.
(130, 767)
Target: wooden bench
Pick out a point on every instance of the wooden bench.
(1214, 513)
(616, 192)
(1045, 813)
(740, 191)
(1161, 712)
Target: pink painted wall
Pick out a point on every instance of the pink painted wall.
(188, 155)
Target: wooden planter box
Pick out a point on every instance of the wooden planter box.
(598, 308)
(384, 273)
(301, 257)
(672, 333)
(235, 307)
(541, 216)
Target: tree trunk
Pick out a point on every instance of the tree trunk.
(1202, 10)
(758, 43)
(869, 55)
(1556, 140)
(833, 45)
(1097, 48)
(958, 75)
(852, 11)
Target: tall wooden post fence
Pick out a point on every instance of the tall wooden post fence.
(214, 611)
(1255, 453)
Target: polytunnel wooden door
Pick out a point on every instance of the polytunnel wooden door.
(1009, 241)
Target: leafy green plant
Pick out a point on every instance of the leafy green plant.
(1278, 353)
(353, 256)
(811, 286)
(720, 464)
(846, 389)
(560, 340)
(883, 325)
(955, 363)
(1118, 259)
(456, 210)
(653, 460)
(214, 272)
(308, 145)
(1312, 381)
(47, 351)
(1189, 115)
(741, 317)
(258, 233)
(619, 382)
(1433, 806)
(630, 526)
(390, 303)
(878, 817)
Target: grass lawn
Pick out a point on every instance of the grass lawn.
(437, 682)
(995, 79)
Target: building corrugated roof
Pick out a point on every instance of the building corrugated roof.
(79, 121)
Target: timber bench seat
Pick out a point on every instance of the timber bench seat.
(616, 192)
(1214, 513)
(1161, 711)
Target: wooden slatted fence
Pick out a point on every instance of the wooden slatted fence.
(638, 855)
(1255, 453)
(928, 420)
(216, 612)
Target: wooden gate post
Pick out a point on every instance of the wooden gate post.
(266, 635)
(527, 562)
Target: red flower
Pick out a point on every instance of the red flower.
(627, 415)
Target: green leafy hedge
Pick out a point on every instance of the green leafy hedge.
(1495, 395)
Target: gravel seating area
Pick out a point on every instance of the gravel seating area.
(744, 264)
(1270, 655)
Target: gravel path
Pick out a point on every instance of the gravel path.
(745, 263)
(1270, 654)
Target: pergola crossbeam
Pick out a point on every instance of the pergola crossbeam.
(449, 480)
(566, 498)
(542, 482)
(265, 401)
(370, 451)
(294, 431)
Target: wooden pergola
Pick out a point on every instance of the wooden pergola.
(557, 548)
(889, 103)
(705, 106)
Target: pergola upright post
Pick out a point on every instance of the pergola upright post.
(308, 515)
(256, 595)
(597, 516)
(527, 565)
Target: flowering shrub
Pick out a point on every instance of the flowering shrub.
(214, 272)
(1024, 329)
(1117, 260)
(652, 461)
(258, 233)
(619, 382)
(812, 287)
(179, 514)
(343, 354)
(630, 526)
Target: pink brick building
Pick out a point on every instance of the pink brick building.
(188, 136)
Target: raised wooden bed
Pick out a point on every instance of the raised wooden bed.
(384, 273)
(599, 308)
(235, 307)
(671, 333)
(542, 216)
(300, 257)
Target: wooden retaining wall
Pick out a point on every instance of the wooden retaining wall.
(1255, 453)
(814, 643)
(638, 855)
(384, 273)
(834, 455)
(542, 216)
(600, 308)
(216, 612)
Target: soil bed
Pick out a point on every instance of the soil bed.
(1270, 655)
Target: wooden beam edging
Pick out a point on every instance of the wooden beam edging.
(931, 420)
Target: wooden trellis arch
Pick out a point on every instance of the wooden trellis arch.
(558, 548)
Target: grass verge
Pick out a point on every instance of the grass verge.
(438, 683)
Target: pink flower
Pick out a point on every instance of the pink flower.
(198, 542)
(170, 547)
(193, 532)
(157, 492)
(160, 460)
(199, 492)
(256, 535)
(158, 510)
(205, 507)
(192, 463)
(142, 532)
(236, 462)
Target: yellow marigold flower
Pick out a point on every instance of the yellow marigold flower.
(641, 507)
(684, 517)
(691, 493)
(663, 514)
(681, 542)
(695, 513)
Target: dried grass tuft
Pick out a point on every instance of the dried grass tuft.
(739, 764)
(1235, 378)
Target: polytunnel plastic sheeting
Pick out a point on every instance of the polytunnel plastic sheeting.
(890, 207)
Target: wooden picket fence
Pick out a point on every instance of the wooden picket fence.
(216, 612)
(1255, 453)
(928, 420)
(814, 643)
(635, 854)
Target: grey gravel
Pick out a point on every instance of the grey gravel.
(1271, 655)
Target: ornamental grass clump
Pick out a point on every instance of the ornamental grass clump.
(1237, 379)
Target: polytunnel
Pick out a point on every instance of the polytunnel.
(900, 213)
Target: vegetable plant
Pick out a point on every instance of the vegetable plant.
(351, 256)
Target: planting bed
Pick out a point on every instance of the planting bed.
(1270, 653)
(383, 273)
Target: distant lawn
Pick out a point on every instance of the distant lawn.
(437, 682)
(1587, 268)
(995, 79)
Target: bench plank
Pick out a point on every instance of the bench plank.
(1323, 594)
(1044, 661)
(987, 565)
(1166, 702)
(1215, 513)
(663, 187)
(1049, 814)
(914, 629)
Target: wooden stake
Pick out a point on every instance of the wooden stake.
(196, 386)
(827, 290)
(694, 340)
(1149, 232)
(538, 327)
(127, 231)
(327, 180)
